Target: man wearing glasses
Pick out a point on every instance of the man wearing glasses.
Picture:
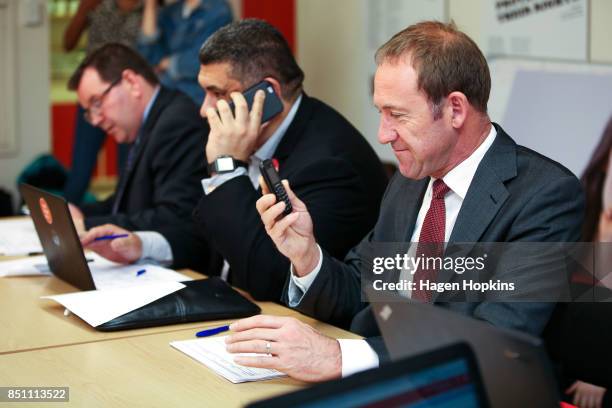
(160, 184)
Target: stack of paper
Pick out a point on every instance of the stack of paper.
(212, 353)
(18, 237)
(121, 289)
(97, 307)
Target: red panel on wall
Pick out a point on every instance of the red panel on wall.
(279, 13)
(62, 131)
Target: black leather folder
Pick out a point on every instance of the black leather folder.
(200, 300)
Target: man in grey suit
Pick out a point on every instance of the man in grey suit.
(462, 179)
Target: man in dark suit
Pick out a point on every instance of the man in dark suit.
(161, 183)
(329, 163)
(463, 179)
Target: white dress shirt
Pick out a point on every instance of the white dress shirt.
(357, 355)
(156, 247)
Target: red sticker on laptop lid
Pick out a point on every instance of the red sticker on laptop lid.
(46, 212)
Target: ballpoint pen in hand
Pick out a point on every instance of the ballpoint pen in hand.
(109, 237)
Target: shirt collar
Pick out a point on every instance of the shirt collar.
(147, 110)
(460, 177)
(267, 149)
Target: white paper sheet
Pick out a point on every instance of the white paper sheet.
(18, 237)
(107, 274)
(211, 352)
(30, 266)
(97, 307)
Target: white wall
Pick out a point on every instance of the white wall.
(31, 103)
(330, 50)
(468, 15)
(601, 31)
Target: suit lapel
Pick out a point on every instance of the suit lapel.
(410, 199)
(296, 128)
(485, 197)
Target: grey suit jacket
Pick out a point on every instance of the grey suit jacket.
(516, 195)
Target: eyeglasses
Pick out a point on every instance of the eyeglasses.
(97, 101)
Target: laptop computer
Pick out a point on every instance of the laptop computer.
(444, 378)
(58, 237)
(199, 300)
(515, 366)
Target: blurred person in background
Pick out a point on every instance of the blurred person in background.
(171, 37)
(586, 337)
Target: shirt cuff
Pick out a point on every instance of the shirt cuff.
(357, 355)
(155, 246)
(211, 183)
(298, 286)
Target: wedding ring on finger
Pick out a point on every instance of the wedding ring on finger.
(268, 348)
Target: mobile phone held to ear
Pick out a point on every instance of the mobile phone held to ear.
(274, 184)
(272, 104)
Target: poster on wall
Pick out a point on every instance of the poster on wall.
(551, 29)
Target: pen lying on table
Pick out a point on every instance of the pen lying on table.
(212, 332)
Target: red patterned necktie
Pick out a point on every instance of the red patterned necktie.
(431, 241)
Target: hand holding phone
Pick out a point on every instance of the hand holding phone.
(272, 103)
(275, 185)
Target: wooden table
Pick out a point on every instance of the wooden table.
(137, 371)
(40, 346)
(29, 323)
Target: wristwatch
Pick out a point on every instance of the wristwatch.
(225, 164)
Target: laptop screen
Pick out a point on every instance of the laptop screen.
(441, 378)
(446, 385)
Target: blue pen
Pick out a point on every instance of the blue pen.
(108, 237)
(140, 272)
(212, 332)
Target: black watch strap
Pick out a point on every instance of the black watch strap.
(225, 164)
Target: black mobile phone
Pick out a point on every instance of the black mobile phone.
(272, 104)
(274, 184)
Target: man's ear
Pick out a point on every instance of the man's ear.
(459, 104)
(131, 80)
(276, 85)
(277, 89)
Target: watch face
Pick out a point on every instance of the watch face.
(225, 164)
